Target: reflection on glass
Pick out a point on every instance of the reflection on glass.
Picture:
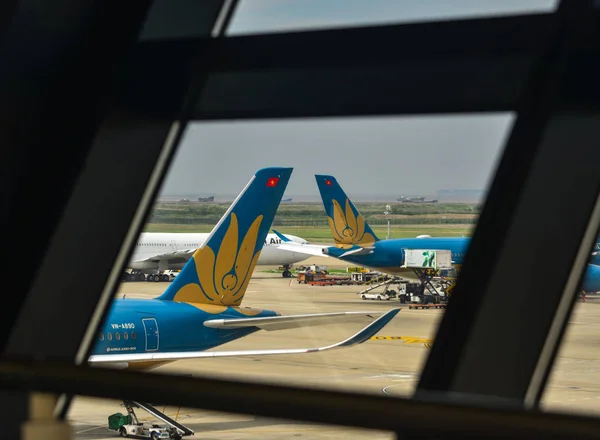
(358, 186)
(266, 16)
(574, 383)
(93, 418)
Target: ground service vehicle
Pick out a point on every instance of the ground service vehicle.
(382, 296)
(153, 432)
(128, 425)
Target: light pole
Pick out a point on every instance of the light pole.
(387, 212)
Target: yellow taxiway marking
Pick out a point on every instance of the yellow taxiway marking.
(406, 339)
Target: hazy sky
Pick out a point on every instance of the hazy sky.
(379, 156)
(369, 156)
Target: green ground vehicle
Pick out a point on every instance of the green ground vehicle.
(126, 426)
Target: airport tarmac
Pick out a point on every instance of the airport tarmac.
(377, 366)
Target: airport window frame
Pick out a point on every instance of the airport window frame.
(532, 60)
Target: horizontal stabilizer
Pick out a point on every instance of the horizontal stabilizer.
(359, 251)
(271, 323)
(301, 248)
(122, 360)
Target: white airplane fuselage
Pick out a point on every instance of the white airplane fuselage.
(151, 245)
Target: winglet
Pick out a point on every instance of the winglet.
(281, 236)
(366, 333)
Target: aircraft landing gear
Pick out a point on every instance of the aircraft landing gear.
(134, 276)
(286, 271)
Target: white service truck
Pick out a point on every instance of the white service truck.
(153, 432)
(381, 296)
(137, 275)
(166, 276)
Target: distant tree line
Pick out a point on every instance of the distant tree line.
(426, 208)
(318, 222)
(211, 211)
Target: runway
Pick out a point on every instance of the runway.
(377, 366)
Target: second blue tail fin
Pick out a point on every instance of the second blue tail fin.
(347, 225)
(219, 271)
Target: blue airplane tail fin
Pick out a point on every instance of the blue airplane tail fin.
(348, 226)
(219, 271)
(281, 236)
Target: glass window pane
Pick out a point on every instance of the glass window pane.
(426, 176)
(574, 384)
(267, 16)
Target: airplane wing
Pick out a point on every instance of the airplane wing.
(271, 323)
(181, 253)
(122, 360)
(301, 248)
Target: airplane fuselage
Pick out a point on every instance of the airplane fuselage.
(591, 279)
(155, 326)
(388, 255)
(152, 244)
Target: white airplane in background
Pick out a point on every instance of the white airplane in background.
(158, 251)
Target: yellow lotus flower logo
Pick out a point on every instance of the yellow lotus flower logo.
(224, 278)
(348, 229)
